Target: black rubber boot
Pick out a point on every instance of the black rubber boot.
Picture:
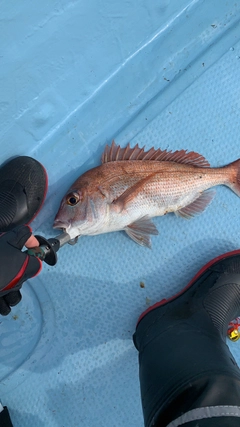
(188, 375)
(23, 187)
(5, 420)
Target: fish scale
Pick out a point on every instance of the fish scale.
(133, 185)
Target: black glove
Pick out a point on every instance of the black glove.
(15, 267)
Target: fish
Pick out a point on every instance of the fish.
(133, 185)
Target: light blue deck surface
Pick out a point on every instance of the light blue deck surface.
(74, 75)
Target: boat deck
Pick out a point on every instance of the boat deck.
(75, 75)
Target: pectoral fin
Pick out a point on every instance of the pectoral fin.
(140, 230)
(198, 206)
(132, 192)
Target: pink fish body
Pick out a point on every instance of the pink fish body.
(131, 186)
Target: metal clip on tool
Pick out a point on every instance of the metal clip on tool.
(47, 251)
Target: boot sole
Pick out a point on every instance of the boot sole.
(23, 189)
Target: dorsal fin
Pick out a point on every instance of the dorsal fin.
(116, 153)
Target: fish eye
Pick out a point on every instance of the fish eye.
(73, 199)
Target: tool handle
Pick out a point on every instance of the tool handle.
(47, 251)
(38, 252)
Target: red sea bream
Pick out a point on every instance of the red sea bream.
(133, 185)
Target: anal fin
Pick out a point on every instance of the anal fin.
(140, 230)
(198, 206)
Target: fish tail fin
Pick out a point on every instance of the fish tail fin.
(234, 177)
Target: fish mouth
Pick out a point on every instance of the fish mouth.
(61, 225)
(66, 228)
